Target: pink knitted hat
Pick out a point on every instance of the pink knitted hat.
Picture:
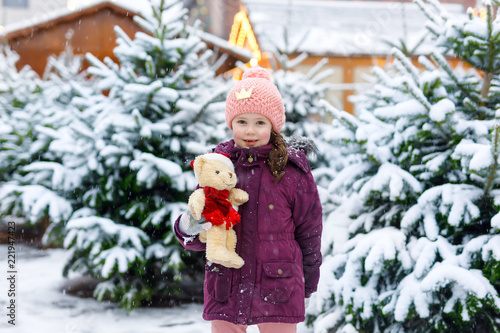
(255, 93)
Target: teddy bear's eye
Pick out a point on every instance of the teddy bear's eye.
(217, 172)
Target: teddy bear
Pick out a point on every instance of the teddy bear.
(217, 200)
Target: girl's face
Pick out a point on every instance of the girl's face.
(251, 130)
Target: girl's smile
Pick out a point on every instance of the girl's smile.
(251, 142)
(251, 130)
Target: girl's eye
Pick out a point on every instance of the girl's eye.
(261, 123)
(241, 121)
(217, 172)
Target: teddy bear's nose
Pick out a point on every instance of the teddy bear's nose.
(230, 175)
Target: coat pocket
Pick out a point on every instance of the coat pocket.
(277, 284)
(218, 281)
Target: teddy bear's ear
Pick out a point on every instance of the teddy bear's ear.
(197, 164)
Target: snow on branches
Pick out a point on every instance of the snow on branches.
(417, 217)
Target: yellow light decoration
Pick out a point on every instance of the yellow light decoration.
(481, 12)
(236, 27)
(241, 32)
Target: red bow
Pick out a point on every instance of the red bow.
(218, 210)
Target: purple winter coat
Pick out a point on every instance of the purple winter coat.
(279, 238)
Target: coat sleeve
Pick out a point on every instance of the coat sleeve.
(307, 216)
(188, 242)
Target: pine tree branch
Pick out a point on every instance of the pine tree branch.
(351, 123)
(412, 88)
(492, 321)
(421, 99)
(495, 164)
(348, 120)
(441, 62)
(161, 36)
(417, 94)
(407, 65)
(431, 16)
(488, 75)
(149, 101)
(215, 95)
(424, 61)
(485, 89)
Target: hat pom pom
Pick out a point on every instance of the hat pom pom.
(256, 72)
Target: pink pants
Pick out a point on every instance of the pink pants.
(221, 326)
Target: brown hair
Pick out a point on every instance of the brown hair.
(278, 156)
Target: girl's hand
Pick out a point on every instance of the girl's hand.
(191, 226)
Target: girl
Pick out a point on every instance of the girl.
(280, 231)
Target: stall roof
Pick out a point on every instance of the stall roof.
(130, 8)
(339, 27)
(31, 25)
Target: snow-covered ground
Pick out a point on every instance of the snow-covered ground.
(41, 306)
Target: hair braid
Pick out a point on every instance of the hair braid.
(278, 156)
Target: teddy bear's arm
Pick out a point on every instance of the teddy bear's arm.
(196, 203)
(238, 196)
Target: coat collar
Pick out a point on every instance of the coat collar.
(259, 154)
(244, 156)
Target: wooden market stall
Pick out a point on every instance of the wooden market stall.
(91, 29)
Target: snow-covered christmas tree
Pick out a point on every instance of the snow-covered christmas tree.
(163, 108)
(35, 190)
(36, 187)
(413, 241)
(17, 89)
(123, 164)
